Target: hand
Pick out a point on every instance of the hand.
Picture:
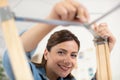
(69, 10)
(103, 31)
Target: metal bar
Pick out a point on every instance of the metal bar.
(66, 23)
(52, 22)
(106, 14)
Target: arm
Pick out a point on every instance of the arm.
(31, 38)
(103, 69)
(63, 10)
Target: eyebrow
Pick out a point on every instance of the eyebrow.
(66, 50)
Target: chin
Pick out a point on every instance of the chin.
(64, 75)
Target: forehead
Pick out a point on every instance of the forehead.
(67, 45)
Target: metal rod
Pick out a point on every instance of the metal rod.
(52, 22)
(66, 23)
(106, 14)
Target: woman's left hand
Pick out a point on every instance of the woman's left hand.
(103, 31)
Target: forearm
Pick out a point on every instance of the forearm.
(33, 36)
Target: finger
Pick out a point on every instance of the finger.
(102, 27)
(104, 34)
(61, 11)
(71, 11)
(82, 13)
(94, 27)
(86, 13)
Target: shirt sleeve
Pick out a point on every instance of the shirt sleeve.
(94, 78)
(7, 64)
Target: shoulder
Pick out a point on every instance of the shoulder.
(38, 72)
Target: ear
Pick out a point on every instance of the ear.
(46, 54)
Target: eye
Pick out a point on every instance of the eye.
(61, 52)
(74, 55)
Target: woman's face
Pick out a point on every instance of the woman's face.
(62, 58)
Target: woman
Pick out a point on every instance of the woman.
(60, 55)
(62, 48)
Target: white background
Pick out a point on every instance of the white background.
(41, 8)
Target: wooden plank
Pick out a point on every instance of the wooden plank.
(98, 74)
(103, 62)
(108, 62)
(17, 56)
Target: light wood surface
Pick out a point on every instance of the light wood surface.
(103, 62)
(16, 52)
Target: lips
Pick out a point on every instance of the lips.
(64, 68)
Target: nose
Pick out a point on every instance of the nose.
(67, 61)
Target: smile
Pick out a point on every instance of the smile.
(64, 68)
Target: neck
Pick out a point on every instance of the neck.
(52, 77)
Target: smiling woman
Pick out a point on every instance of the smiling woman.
(47, 72)
(62, 48)
(61, 54)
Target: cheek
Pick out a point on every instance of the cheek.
(75, 64)
(58, 59)
(54, 59)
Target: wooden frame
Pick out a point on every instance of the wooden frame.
(103, 60)
(16, 54)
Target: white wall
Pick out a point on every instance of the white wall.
(40, 9)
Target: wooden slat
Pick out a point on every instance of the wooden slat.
(98, 62)
(16, 53)
(108, 62)
(103, 62)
